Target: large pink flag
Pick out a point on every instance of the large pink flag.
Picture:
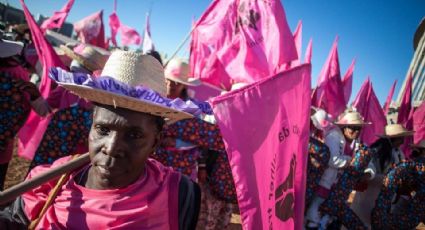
(147, 39)
(308, 52)
(389, 98)
(347, 81)
(129, 36)
(298, 39)
(265, 127)
(367, 104)
(330, 91)
(250, 38)
(32, 131)
(58, 18)
(419, 123)
(90, 30)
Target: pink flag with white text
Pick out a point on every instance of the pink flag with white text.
(419, 123)
(32, 131)
(90, 30)
(250, 38)
(330, 90)
(308, 52)
(367, 104)
(389, 98)
(347, 81)
(265, 127)
(58, 18)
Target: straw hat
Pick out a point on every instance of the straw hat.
(396, 130)
(420, 145)
(132, 69)
(177, 70)
(351, 118)
(89, 57)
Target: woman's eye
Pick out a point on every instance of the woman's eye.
(102, 130)
(135, 135)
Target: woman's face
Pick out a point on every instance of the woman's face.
(174, 89)
(120, 142)
(351, 132)
(397, 141)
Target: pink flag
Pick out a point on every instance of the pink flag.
(129, 36)
(298, 39)
(90, 30)
(58, 17)
(330, 93)
(250, 38)
(309, 51)
(367, 104)
(347, 81)
(147, 40)
(389, 98)
(32, 131)
(265, 127)
(419, 123)
(406, 102)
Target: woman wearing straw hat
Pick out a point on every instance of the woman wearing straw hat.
(70, 124)
(121, 188)
(406, 180)
(387, 155)
(342, 141)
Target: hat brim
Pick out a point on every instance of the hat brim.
(192, 82)
(10, 48)
(403, 134)
(121, 101)
(90, 65)
(361, 124)
(417, 146)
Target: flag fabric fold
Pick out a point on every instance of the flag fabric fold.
(308, 52)
(90, 30)
(129, 36)
(405, 114)
(419, 123)
(58, 18)
(367, 104)
(389, 98)
(32, 131)
(265, 127)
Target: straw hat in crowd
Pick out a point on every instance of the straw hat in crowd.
(351, 118)
(87, 56)
(132, 69)
(396, 130)
(177, 70)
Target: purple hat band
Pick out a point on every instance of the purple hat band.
(142, 93)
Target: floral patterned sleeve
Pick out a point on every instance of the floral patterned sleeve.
(197, 132)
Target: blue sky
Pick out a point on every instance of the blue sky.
(378, 33)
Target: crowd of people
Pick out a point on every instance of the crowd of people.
(158, 160)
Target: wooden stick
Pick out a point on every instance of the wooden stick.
(19, 189)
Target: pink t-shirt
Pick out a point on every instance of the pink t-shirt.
(149, 203)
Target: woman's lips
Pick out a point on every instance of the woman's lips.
(104, 170)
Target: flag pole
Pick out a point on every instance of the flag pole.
(182, 43)
(11, 193)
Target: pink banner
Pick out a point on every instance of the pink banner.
(419, 123)
(58, 18)
(389, 98)
(308, 52)
(367, 104)
(129, 36)
(406, 103)
(265, 127)
(90, 30)
(347, 82)
(32, 131)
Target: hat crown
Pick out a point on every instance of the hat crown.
(351, 118)
(177, 68)
(395, 129)
(136, 69)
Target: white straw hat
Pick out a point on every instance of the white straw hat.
(177, 70)
(9, 48)
(132, 69)
(89, 57)
(351, 118)
(396, 130)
